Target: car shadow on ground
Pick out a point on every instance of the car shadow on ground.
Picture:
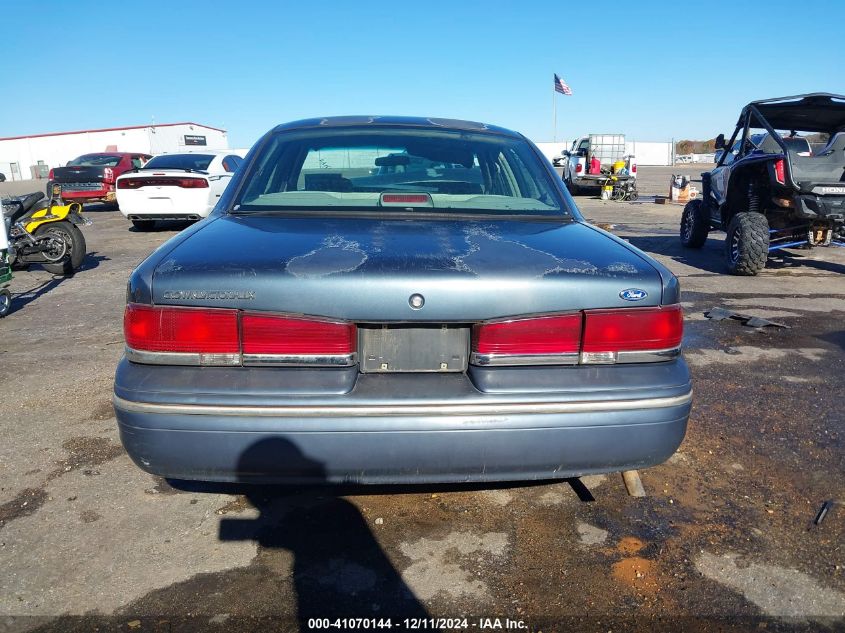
(709, 259)
(339, 568)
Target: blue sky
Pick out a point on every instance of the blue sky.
(653, 70)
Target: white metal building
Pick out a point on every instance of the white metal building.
(24, 157)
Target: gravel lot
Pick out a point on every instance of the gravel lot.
(724, 541)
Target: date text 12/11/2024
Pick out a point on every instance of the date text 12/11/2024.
(417, 624)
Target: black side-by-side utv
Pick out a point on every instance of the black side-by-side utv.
(779, 183)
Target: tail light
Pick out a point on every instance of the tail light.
(589, 337)
(184, 183)
(278, 336)
(213, 336)
(579, 168)
(634, 168)
(50, 175)
(108, 174)
(632, 334)
(780, 171)
(523, 341)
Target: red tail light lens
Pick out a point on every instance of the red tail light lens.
(186, 330)
(780, 171)
(634, 168)
(631, 330)
(184, 183)
(212, 336)
(579, 168)
(293, 336)
(559, 334)
(50, 175)
(593, 336)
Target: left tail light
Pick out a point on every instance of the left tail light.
(213, 336)
(108, 174)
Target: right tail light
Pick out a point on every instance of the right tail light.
(588, 337)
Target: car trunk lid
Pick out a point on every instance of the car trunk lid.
(367, 270)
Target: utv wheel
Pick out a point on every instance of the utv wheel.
(747, 243)
(5, 302)
(694, 225)
(144, 225)
(75, 242)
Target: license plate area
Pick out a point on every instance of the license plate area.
(398, 348)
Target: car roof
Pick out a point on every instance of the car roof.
(813, 112)
(395, 121)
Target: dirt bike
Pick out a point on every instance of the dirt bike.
(45, 232)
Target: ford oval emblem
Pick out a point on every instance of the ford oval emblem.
(633, 294)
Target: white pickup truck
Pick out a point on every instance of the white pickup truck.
(607, 148)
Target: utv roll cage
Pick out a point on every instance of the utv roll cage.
(813, 112)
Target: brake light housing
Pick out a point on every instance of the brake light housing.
(108, 174)
(579, 167)
(177, 335)
(619, 335)
(780, 171)
(181, 182)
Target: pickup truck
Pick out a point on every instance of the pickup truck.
(91, 177)
(607, 148)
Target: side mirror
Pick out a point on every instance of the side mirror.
(566, 152)
(720, 141)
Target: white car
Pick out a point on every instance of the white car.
(183, 186)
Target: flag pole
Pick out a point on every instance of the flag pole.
(554, 113)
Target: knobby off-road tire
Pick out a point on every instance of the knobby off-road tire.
(75, 243)
(694, 225)
(747, 243)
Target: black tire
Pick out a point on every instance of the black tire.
(695, 224)
(76, 247)
(574, 189)
(5, 302)
(2, 177)
(144, 225)
(747, 243)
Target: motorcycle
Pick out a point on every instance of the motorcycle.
(5, 273)
(45, 232)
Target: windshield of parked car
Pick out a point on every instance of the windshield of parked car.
(438, 170)
(95, 160)
(198, 162)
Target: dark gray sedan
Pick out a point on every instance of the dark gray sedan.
(388, 299)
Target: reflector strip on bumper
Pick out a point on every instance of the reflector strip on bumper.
(399, 410)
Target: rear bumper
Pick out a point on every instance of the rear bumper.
(386, 430)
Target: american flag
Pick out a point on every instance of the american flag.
(561, 87)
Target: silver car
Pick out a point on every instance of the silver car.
(399, 300)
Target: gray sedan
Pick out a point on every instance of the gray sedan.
(399, 300)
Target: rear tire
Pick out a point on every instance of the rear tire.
(694, 225)
(5, 302)
(76, 247)
(144, 225)
(747, 243)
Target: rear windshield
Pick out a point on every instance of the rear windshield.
(351, 168)
(198, 162)
(95, 160)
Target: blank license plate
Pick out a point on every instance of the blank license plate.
(413, 348)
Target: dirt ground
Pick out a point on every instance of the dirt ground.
(724, 541)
